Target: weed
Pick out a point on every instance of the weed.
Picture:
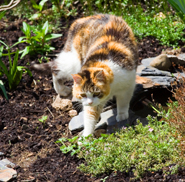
(39, 42)
(3, 89)
(43, 119)
(14, 72)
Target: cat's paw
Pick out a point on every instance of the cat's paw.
(122, 116)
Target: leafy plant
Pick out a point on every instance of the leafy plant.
(43, 119)
(2, 14)
(138, 149)
(38, 42)
(3, 89)
(38, 7)
(179, 6)
(13, 72)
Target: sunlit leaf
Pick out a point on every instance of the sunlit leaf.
(3, 89)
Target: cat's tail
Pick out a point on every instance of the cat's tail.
(44, 68)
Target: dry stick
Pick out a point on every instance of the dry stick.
(50, 112)
(11, 5)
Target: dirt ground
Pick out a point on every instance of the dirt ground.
(29, 144)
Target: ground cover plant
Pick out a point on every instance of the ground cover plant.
(30, 127)
(137, 149)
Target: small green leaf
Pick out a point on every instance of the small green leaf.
(35, 16)
(52, 36)
(25, 51)
(16, 79)
(4, 44)
(26, 29)
(3, 89)
(41, 4)
(14, 67)
(2, 14)
(61, 140)
(45, 28)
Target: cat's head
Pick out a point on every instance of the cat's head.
(91, 87)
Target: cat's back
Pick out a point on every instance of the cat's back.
(101, 37)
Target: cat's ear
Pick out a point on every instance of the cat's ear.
(77, 78)
(100, 76)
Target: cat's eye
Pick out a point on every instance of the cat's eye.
(83, 95)
(96, 94)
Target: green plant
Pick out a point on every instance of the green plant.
(138, 149)
(2, 14)
(179, 6)
(3, 89)
(38, 7)
(13, 72)
(43, 119)
(39, 42)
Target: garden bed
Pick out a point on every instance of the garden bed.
(29, 143)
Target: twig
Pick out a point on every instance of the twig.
(50, 112)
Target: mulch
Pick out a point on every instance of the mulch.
(30, 144)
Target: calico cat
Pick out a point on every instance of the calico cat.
(101, 56)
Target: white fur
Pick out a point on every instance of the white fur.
(122, 88)
(67, 64)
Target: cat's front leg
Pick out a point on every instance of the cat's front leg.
(123, 100)
(91, 117)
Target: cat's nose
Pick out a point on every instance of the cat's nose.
(90, 103)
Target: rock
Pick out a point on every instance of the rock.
(6, 163)
(72, 113)
(153, 76)
(160, 16)
(7, 174)
(76, 123)
(107, 121)
(62, 104)
(161, 62)
(177, 60)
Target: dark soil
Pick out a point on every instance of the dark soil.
(30, 144)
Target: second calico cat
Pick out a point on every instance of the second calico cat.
(101, 56)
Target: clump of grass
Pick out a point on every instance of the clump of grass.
(138, 149)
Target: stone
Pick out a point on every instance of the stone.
(160, 16)
(6, 163)
(7, 174)
(72, 113)
(161, 62)
(107, 121)
(62, 104)
(177, 60)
